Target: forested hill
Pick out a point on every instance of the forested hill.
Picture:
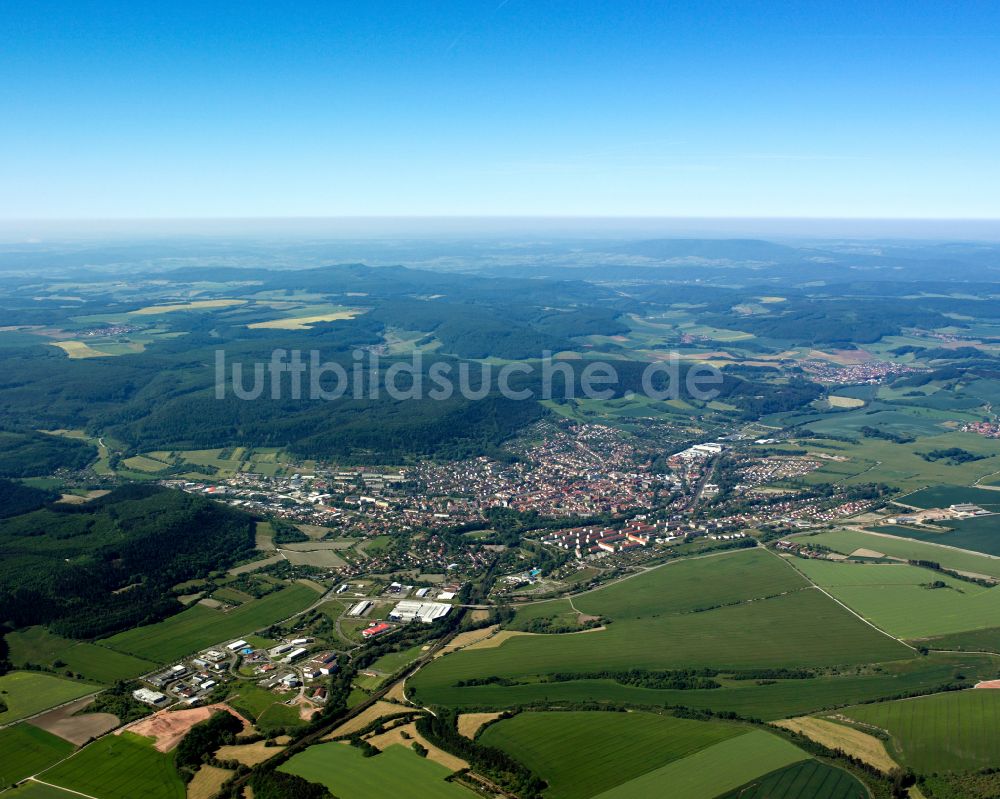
(108, 565)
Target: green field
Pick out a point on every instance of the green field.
(894, 597)
(713, 771)
(265, 708)
(581, 754)
(848, 541)
(953, 731)
(199, 627)
(397, 772)
(26, 750)
(122, 766)
(36, 790)
(660, 631)
(770, 701)
(39, 646)
(980, 534)
(987, 640)
(807, 780)
(945, 495)
(29, 692)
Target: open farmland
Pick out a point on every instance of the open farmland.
(810, 779)
(38, 790)
(26, 693)
(800, 628)
(93, 662)
(979, 534)
(581, 754)
(199, 626)
(122, 766)
(26, 750)
(897, 597)
(953, 731)
(770, 701)
(713, 771)
(849, 541)
(395, 773)
(945, 495)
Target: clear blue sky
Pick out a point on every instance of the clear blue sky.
(566, 107)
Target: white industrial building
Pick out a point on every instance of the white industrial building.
(360, 608)
(410, 610)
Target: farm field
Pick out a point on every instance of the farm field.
(777, 700)
(849, 541)
(265, 708)
(394, 773)
(38, 790)
(945, 495)
(895, 597)
(986, 640)
(93, 662)
(802, 628)
(122, 766)
(810, 779)
(199, 626)
(29, 692)
(26, 750)
(713, 771)
(953, 731)
(581, 754)
(980, 534)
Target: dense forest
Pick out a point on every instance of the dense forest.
(93, 569)
(29, 454)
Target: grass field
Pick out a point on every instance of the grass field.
(987, 640)
(29, 692)
(78, 349)
(36, 790)
(397, 772)
(581, 754)
(658, 629)
(303, 322)
(194, 305)
(771, 701)
(807, 780)
(980, 534)
(265, 708)
(26, 750)
(122, 766)
(945, 495)
(894, 597)
(199, 626)
(952, 731)
(848, 541)
(39, 646)
(713, 771)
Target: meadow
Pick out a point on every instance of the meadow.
(945, 495)
(199, 627)
(395, 773)
(26, 750)
(952, 731)
(582, 754)
(122, 766)
(714, 770)
(979, 534)
(896, 597)
(39, 646)
(26, 693)
(771, 701)
(849, 541)
(807, 779)
(265, 708)
(37, 790)
(656, 625)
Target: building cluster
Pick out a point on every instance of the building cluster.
(868, 372)
(958, 511)
(987, 429)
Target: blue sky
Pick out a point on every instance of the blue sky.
(523, 107)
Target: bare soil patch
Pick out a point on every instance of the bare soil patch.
(167, 727)
(75, 729)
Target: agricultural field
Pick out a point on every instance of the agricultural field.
(26, 693)
(304, 318)
(771, 701)
(954, 731)
(582, 754)
(26, 750)
(898, 598)
(714, 770)
(809, 779)
(38, 790)
(986, 640)
(265, 708)
(92, 662)
(199, 627)
(662, 629)
(979, 534)
(394, 773)
(945, 495)
(849, 541)
(122, 766)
